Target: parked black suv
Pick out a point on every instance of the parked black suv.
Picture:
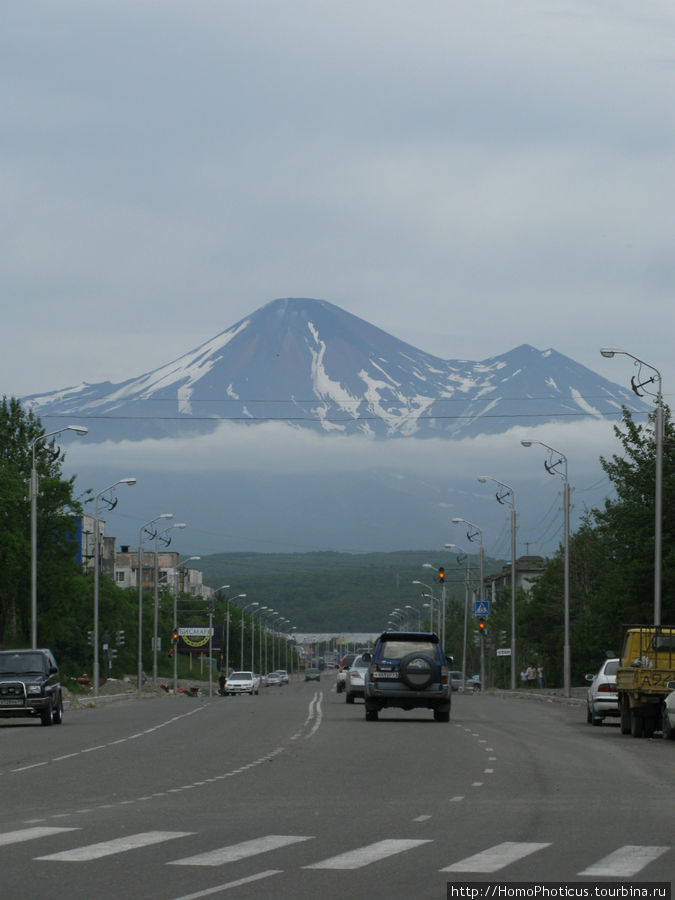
(408, 670)
(29, 685)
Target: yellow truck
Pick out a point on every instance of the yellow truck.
(646, 665)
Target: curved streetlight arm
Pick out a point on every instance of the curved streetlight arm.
(97, 564)
(658, 486)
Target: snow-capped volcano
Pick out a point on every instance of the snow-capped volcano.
(311, 364)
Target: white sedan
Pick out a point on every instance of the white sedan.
(241, 683)
(668, 713)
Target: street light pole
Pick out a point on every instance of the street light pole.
(550, 468)
(139, 686)
(97, 552)
(259, 610)
(467, 586)
(78, 429)
(608, 353)
(175, 620)
(155, 635)
(243, 628)
(504, 498)
(470, 536)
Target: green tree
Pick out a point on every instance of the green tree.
(58, 573)
(611, 559)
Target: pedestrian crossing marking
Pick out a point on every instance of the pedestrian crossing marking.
(496, 857)
(30, 834)
(364, 856)
(118, 845)
(235, 852)
(625, 861)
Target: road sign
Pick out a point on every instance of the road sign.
(504, 651)
(481, 608)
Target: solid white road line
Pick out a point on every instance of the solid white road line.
(230, 884)
(240, 851)
(625, 861)
(495, 858)
(119, 845)
(355, 859)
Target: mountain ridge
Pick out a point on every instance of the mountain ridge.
(311, 364)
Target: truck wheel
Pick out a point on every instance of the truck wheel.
(47, 716)
(648, 726)
(625, 718)
(636, 724)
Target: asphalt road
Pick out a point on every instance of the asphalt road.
(292, 794)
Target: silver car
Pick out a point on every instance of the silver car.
(668, 713)
(601, 698)
(355, 683)
(241, 683)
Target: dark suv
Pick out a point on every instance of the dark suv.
(29, 685)
(408, 670)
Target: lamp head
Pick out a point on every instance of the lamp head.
(484, 478)
(608, 352)
(78, 429)
(165, 516)
(456, 520)
(127, 481)
(526, 443)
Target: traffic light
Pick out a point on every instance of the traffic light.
(441, 574)
(481, 627)
(119, 638)
(90, 638)
(174, 636)
(170, 652)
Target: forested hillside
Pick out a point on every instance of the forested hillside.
(339, 592)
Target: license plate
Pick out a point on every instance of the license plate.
(380, 675)
(17, 702)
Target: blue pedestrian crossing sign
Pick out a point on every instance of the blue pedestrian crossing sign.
(481, 608)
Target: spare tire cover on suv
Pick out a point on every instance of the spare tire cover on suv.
(417, 670)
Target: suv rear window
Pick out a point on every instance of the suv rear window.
(399, 649)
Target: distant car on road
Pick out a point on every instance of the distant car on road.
(312, 674)
(273, 679)
(283, 674)
(241, 683)
(601, 697)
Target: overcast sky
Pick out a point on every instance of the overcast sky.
(468, 176)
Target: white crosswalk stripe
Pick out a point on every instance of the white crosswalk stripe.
(30, 834)
(240, 851)
(496, 857)
(364, 856)
(118, 845)
(626, 861)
